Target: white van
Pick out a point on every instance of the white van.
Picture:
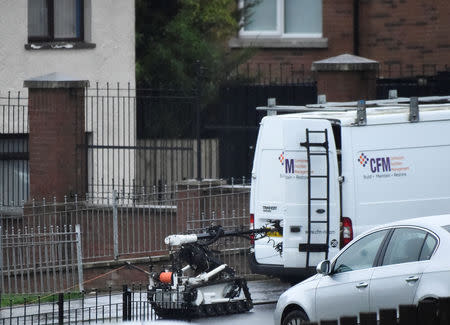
(335, 170)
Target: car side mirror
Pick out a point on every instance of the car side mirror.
(323, 267)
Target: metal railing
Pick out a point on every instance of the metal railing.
(122, 226)
(40, 259)
(143, 137)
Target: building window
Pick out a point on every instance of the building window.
(55, 20)
(283, 18)
(14, 170)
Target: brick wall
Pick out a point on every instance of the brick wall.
(56, 122)
(407, 37)
(347, 86)
(337, 27)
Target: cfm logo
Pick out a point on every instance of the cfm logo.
(377, 165)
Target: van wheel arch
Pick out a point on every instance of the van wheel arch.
(291, 309)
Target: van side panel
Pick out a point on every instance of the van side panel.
(400, 171)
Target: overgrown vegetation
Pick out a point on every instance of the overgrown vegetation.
(175, 37)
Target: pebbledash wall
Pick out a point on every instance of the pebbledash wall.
(106, 55)
(407, 38)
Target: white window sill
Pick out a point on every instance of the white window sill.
(59, 46)
(277, 42)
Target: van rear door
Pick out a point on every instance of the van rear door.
(311, 200)
(280, 191)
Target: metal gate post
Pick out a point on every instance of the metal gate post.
(126, 303)
(199, 143)
(1, 262)
(129, 304)
(198, 118)
(115, 226)
(79, 257)
(61, 308)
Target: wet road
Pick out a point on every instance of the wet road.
(259, 315)
(109, 308)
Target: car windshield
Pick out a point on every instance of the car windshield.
(447, 227)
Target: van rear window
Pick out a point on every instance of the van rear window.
(446, 228)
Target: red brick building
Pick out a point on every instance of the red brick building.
(407, 37)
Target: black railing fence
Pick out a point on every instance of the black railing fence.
(139, 139)
(398, 70)
(437, 84)
(98, 306)
(282, 73)
(132, 304)
(234, 121)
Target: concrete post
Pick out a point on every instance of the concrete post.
(57, 136)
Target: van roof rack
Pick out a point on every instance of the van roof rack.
(272, 108)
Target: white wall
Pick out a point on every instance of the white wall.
(112, 60)
(110, 24)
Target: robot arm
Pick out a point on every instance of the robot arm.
(177, 240)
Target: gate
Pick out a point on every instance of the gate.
(40, 259)
(435, 85)
(234, 120)
(139, 139)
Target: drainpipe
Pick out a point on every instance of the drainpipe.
(356, 27)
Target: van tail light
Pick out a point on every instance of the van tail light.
(346, 231)
(252, 226)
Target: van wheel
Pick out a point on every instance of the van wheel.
(295, 317)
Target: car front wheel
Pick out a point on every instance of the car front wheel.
(295, 317)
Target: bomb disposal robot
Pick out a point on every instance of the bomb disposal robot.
(198, 284)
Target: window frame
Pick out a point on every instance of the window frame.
(280, 23)
(14, 152)
(423, 246)
(51, 26)
(377, 255)
(380, 260)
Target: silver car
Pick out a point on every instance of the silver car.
(400, 263)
